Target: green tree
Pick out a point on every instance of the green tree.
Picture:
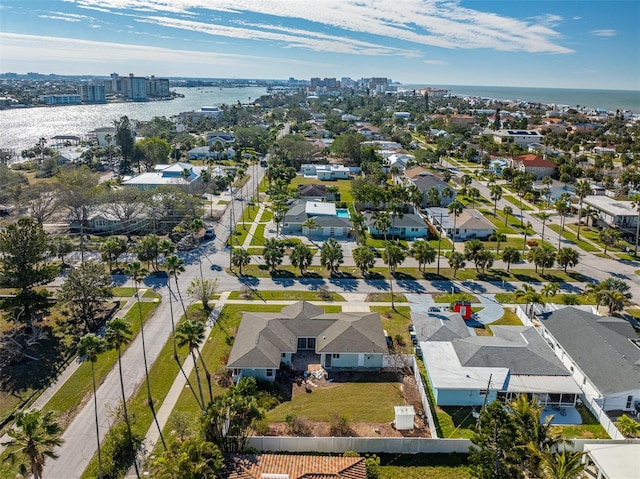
(273, 253)
(331, 256)
(550, 289)
(498, 238)
(456, 262)
(455, 209)
(609, 237)
(433, 197)
(530, 296)
(543, 216)
(193, 458)
(364, 258)
(175, 266)
(495, 195)
(472, 248)
(567, 258)
(23, 253)
(507, 210)
(541, 257)
(61, 246)
(301, 257)
(494, 452)
(155, 150)
(191, 333)
(240, 257)
(34, 437)
(125, 140)
(148, 250)
(562, 463)
(89, 348)
(627, 426)
(510, 255)
(581, 189)
(117, 335)
(635, 201)
(203, 291)
(85, 292)
(483, 260)
(111, 250)
(423, 253)
(381, 222)
(393, 255)
(310, 224)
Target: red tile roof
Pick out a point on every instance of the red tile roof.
(533, 161)
(250, 466)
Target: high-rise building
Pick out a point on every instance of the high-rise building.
(157, 87)
(134, 88)
(90, 93)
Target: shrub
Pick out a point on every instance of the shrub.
(532, 243)
(323, 292)
(117, 453)
(570, 299)
(298, 426)
(340, 427)
(399, 340)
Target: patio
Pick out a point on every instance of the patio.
(562, 415)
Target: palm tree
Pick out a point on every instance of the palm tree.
(507, 210)
(530, 296)
(175, 266)
(33, 439)
(358, 221)
(331, 256)
(544, 216)
(495, 195)
(364, 259)
(562, 464)
(193, 458)
(635, 201)
(455, 209)
(382, 222)
(118, 334)
(581, 189)
(608, 237)
(527, 227)
(273, 253)
(137, 272)
(510, 255)
(498, 238)
(240, 257)
(191, 333)
(456, 262)
(196, 226)
(522, 184)
(550, 289)
(393, 255)
(89, 348)
(311, 224)
(423, 252)
(627, 426)
(301, 257)
(567, 257)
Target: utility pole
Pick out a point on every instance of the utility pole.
(439, 242)
(484, 403)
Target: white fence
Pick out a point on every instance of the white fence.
(392, 445)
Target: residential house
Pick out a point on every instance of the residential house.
(519, 137)
(173, 174)
(612, 461)
(470, 224)
(104, 220)
(602, 353)
(332, 222)
(537, 165)
(265, 342)
(289, 466)
(312, 192)
(326, 172)
(424, 181)
(470, 370)
(614, 213)
(461, 121)
(399, 161)
(101, 134)
(497, 165)
(223, 137)
(408, 226)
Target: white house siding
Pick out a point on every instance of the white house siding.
(353, 360)
(619, 401)
(462, 397)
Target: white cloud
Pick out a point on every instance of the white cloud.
(438, 23)
(576, 18)
(607, 32)
(434, 62)
(67, 17)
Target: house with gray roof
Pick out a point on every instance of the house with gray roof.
(602, 353)
(266, 341)
(176, 174)
(424, 181)
(331, 222)
(408, 226)
(467, 370)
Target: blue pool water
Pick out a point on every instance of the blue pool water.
(342, 213)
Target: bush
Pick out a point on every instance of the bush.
(340, 427)
(117, 452)
(570, 299)
(532, 243)
(298, 426)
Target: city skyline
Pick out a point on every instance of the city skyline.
(529, 44)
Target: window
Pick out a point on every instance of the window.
(269, 373)
(629, 401)
(483, 392)
(283, 355)
(335, 356)
(307, 343)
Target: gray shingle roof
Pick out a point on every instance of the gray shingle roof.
(262, 337)
(600, 347)
(439, 326)
(519, 348)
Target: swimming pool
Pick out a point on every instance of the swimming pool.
(342, 213)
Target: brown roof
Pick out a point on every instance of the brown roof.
(253, 466)
(533, 161)
(415, 171)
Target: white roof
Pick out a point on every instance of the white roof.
(547, 384)
(611, 205)
(619, 461)
(315, 208)
(446, 372)
(154, 179)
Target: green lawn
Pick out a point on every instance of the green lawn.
(513, 222)
(386, 298)
(267, 215)
(450, 298)
(241, 233)
(287, 295)
(395, 322)
(379, 243)
(423, 466)
(516, 202)
(258, 236)
(570, 236)
(151, 294)
(123, 291)
(498, 223)
(516, 243)
(509, 318)
(344, 186)
(589, 429)
(357, 401)
(456, 421)
(582, 299)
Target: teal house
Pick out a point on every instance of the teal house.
(303, 333)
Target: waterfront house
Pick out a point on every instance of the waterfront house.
(265, 342)
(602, 353)
(332, 222)
(469, 370)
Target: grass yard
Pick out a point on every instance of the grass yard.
(509, 318)
(123, 291)
(498, 223)
(560, 298)
(287, 295)
(267, 216)
(151, 294)
(379, 243)
(450, 298)
(385, 298)
(421, 466)
(513, 222)
(516, 243)
(570, 236)
(359, 402)
(258, 235)
(395, 322)
(589, 429)
(456, 421)
(516, 202)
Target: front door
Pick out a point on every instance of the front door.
(327, 360)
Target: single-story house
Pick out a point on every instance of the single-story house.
(615, 213)
(222, 137)
(399, 160)
(408, 226)
(327, 172)
(331, 221)
(470, 224)
(531, 163)
(469, 370)
(424, 181)
(292, 466)
(602, 353)
(612, 461)
(519, 137)
(205, 153)
(165, 175)
(312, 192)
(105, 220)
(267, 341)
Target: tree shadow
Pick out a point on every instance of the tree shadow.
(345, 283)
(379, 284)
(411, 286)
(473, 286)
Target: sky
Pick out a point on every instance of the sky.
(525, 43)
